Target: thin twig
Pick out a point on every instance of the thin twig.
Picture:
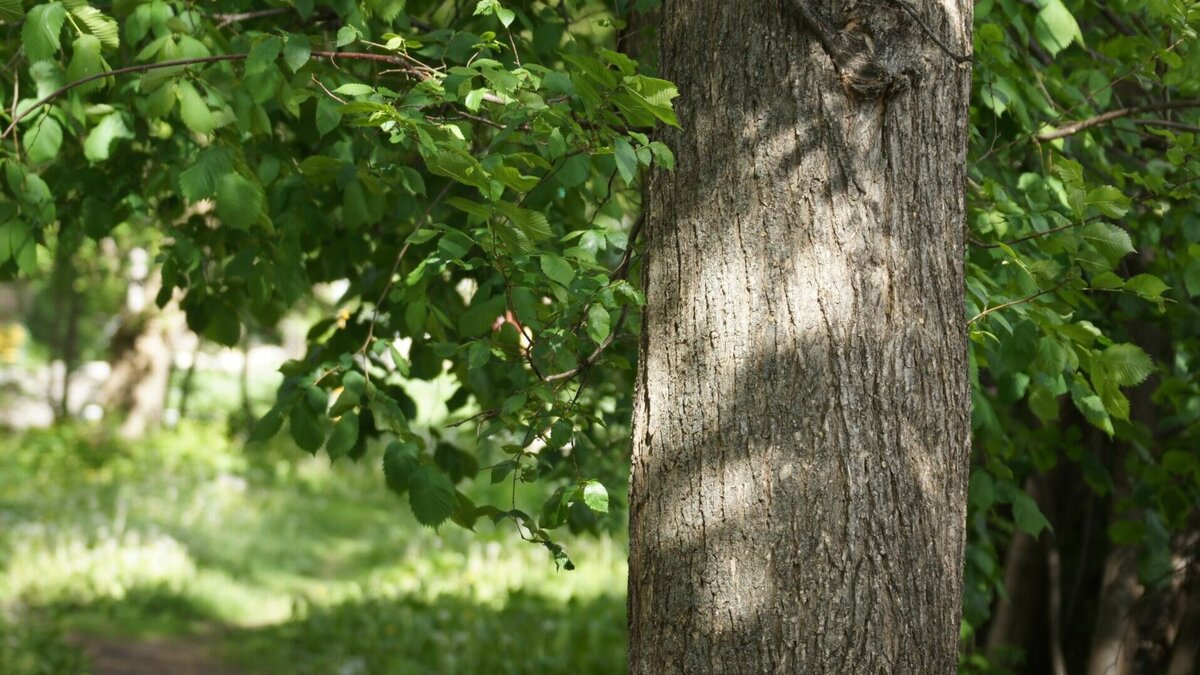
(226, 19)
(912, 13)
(1083, 125)
(326, 90)
(1035, 235)
(391, 280)
(1035, 296)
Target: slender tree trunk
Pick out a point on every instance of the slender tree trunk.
(801, 420)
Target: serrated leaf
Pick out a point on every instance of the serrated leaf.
(344, 436)
(595, 496)
(200, 180)
(11, 11)
(1091, 405)
(296, 51)
(1127, 364)
(240, 201)
(399, 463)
(1108, 200)
(557, 268)
(431, 496)
(1028, 516)
(1111, 241)
(102, 27)
(532, 224)
(42, 140)
(194, 110)
(41, 32)
(501, 470)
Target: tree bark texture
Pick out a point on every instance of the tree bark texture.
(801, 423)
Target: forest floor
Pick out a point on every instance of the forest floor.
(154, 656)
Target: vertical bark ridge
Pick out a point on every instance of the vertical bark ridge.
(801, 417)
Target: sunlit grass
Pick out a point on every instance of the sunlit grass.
(297, 565)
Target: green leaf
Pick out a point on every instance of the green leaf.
(1127, 364)
(399, 464)
(627, 163)
(431, 495)
(595, 496)
(599, 323)
(557, 268)
(1191, 278)
(1028, 516)
(532, 223)
(263, 54)
(40, 34)
(268, 425)
(329, 115)
(11, 11)
(161, 102)
(1091, 405)
(17, 244)
(102, 27)
(194, 110)
(42, 140)
(355, 89)
(344, 436)
(1148, 286)
(1111, 241)
(346, 35)
(1055, 27)
(1108, 200)
(85, 62)
(100, 139)
(306, 427)
(240, 201)
(200, 180)
(501, 470)
(296, 51)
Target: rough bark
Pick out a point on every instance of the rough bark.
(801, 419)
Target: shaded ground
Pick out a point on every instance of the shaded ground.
(153, 656)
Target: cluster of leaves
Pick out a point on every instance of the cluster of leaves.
(474, 178)
(1083, 271)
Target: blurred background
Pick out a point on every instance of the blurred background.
(140, 534)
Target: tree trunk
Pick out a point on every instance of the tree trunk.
(801, 419)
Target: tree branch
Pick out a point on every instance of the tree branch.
(320, 54)
(1083, 125)
(1030, 298)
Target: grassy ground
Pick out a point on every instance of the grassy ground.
(277, 564)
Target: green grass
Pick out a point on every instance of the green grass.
(293, 565)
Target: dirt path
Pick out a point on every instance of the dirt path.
(154, 656)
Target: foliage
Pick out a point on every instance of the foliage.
(474, 179)
(1082, 276)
